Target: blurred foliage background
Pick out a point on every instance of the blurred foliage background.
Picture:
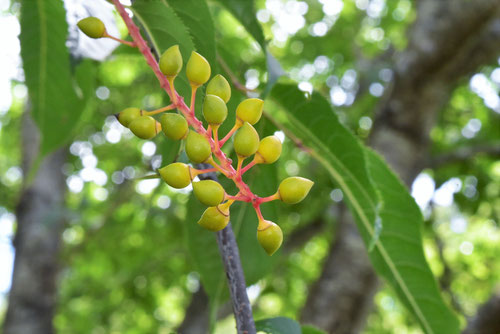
(125, 267)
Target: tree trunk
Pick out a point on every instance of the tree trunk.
(39, 212)
(449, 41)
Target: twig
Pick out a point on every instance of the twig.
(234, 271)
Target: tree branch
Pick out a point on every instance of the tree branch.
(230, 254)
(487, 318)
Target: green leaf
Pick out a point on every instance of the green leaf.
(244, 12)
(56, 108)
(278, 325)
(308, 329)
(398, 253)
(196, 16)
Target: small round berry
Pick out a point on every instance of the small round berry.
(270, 237)
(269, 150)
(214, 218)
(171, 61)
(220, 87)
(145, 127)
(294, 189)
(214, 109)
(92, 27)
(197, 147)
(128, 115)
(246, 140)
(197, 69)
(174, 126)
(250, 110)
(176, 175)
(209, 192)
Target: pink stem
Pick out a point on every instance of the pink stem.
(179, 100)
(247, 167)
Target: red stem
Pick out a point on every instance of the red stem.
(247, 167)
(179, 101)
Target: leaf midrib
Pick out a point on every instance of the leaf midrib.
(363, 217)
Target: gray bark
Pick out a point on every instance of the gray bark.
(449, 40)
(32, 297)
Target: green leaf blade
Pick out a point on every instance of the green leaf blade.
(278, 325)
(55, 106)
(371, 188)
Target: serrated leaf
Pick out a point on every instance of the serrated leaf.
(56, 108)
(196, 16)
(278, 325)
(398, 253)
(244, 11)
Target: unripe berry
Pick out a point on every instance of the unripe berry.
(270, 237)
(174, 126)
(220, 87)
(92, 27)
(294, 189)
(197, 147)
(250, 110)
(197, 69)
(145, 127)
(269, 150)
(128, 115)
(246, 140)
(215, 218)
(176, 175)
(209, 192)
(171, 61)
(214, 109)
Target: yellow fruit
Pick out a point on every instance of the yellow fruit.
(92, 27)
(197, 69)
(209, 192)
(145, 127)
(294, 189)
(176, 175)
(174, 126)
(250, 110)
(246, 140)
(270, 237)
(220, 87)
(214, 110)
(171, 61)
(128, 115)
(269, 150)
(197, 147)
(215, 218)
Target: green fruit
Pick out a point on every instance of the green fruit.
(197, 69)
(174, 126)
(294, 189)
(171, 61)
(128, 115)
(250, 110)
(197, 147)
(215, 218)
(269, 150)
(220, 87)
(92, 27)
(214, 110)
(246, 140)
(209, 192)
(176, 175)
(270, 237)
(145, 127)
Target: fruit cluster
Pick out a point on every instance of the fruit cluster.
(202, 145)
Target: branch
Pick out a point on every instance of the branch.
(234, 271)
(465, 153)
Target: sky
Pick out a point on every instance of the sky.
(289, 18)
